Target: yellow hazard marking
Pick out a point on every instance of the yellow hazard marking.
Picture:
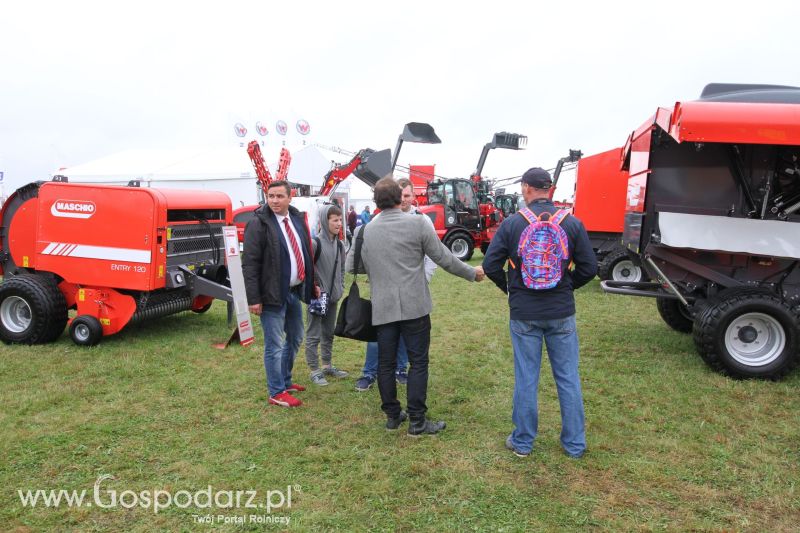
(25, 261)
(160, 271)
(169, 233)
(81, 295)
(105, 321)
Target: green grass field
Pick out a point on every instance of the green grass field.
(672, 445)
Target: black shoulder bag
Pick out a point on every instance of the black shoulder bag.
(355, 314)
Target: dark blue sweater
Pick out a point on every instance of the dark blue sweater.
(530, 304)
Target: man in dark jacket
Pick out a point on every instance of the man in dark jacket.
(278, 275)
(542, 315)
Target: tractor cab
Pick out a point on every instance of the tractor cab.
(459, 200)
(508, 204)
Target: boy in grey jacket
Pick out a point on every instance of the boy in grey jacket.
(329, 259)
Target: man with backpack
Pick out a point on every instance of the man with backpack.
(539, 243)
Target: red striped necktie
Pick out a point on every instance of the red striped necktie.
(301, 271)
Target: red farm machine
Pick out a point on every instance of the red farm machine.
(712, 199)
(463, 210)
(367, 165)
(600, 190)
(117, 255)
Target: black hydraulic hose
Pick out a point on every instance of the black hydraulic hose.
(735, 164)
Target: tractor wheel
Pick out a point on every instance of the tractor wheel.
(85, 330)
(675, 314)
(748, 334)
(461, 245)
(32, 310)
(619, 266)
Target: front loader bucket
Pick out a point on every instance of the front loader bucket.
(374, 166)
(419, 132)
(415, 132)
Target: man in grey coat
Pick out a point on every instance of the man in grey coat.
(392, 256)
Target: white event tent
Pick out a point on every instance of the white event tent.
(227, 169)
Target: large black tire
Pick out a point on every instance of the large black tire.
(85, 330)
(32, 310)
(619, 266)
(675, 314)
(461, 244)
(747, 334)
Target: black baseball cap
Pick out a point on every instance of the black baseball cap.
(538, 178)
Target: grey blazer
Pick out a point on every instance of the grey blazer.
(395, 246)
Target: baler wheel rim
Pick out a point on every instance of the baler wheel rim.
(16, 314)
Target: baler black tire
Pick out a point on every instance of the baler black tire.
(605, 270)
(44, 301)
(675, 314)
(711, 326)
(454, 238)
(85, 330)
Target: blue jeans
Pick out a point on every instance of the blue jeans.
(561, 337)
(371, 360)
(283, 333)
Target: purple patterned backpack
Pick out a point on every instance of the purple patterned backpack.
(543, 249)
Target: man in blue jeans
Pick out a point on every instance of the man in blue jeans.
(278, 274)
(543, 315)
(370, 372)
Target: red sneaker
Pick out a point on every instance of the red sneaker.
(284, 399)
(294, 387)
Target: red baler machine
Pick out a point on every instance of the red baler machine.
(115, 254)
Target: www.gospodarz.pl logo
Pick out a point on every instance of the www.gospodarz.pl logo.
(157, 500)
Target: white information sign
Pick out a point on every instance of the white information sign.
(241, 310)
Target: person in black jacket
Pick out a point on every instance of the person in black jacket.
(539, 315)
(278, 274)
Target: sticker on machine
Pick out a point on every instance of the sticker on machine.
(72, 209)
(84, 251)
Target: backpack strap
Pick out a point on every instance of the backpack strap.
(559, 216)
(317, 250)
(528, 215)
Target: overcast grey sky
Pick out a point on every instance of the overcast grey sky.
(81, 80)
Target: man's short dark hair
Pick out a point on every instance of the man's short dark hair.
(280, 183)
(334, 211)
(387, 193)
(405, 182)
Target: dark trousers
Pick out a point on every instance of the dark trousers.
(417, 336)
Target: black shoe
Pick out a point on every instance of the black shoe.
(425, 427)
(394, 423)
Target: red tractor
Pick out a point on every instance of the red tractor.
(117, 255)
(463, 210)
(712, 199)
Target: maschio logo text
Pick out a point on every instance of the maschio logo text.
(72, 209)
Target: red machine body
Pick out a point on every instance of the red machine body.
(105, 247)
(712, 199)
(600, 192)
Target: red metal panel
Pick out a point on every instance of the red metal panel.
(99, 236)
(736, 122)
(189, 199)
(600, 187)
(20, 234)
